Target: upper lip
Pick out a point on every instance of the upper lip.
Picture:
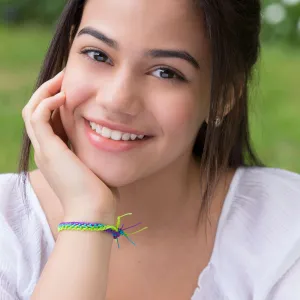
(118, 127)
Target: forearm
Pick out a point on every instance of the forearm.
(77, 268)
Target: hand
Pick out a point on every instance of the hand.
(82, 194)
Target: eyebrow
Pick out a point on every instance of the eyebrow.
(155, 53)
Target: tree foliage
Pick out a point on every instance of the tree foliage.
(43, 12)
(281, 18)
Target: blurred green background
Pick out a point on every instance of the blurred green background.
(26, 28)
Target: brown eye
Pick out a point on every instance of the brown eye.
(166, 73)
(97, 55)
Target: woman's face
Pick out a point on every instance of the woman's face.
(136, 67)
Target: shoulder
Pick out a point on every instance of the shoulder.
(7, 184)
(277, 179)
(267, 196)
(269, 188)
(9, 242)
(261, 227)
(19, 209)
(23, 241)
(11, 196)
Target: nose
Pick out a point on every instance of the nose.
(119, 95)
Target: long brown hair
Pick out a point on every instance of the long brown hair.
(233, 29)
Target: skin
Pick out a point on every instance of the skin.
(131, 92)
(159, 182)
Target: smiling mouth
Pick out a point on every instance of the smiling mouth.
(115, 135)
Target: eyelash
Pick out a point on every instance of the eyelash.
(177, 78)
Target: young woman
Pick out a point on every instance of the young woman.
(142, 107)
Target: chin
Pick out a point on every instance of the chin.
(113, 180)
(114, 173)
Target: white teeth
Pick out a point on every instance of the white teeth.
(133, 137)
(106, 132)
(114, 134)
(126, 137)
(98, 129)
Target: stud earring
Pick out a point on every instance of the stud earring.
(218, 121)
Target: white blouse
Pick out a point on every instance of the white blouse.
(256, 255)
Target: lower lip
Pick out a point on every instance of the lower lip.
(110, 145)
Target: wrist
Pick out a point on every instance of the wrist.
(90, 217)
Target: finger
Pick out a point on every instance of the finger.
(50, 87)
(46, 90)
(40, 122)
(30, 131)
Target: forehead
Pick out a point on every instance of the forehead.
(148, 23)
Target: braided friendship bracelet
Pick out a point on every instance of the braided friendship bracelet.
(115, 231)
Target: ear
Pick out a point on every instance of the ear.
(231, 101)
(223, 112)
(228, 106)
(234, 94)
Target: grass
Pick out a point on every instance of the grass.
(275, 113)
(21, 55)
(275, 105)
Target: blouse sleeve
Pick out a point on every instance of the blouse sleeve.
(8, 262)
(25, 240)
(7, 289)
(288, 287)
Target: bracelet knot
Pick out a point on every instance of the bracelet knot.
(115, 231)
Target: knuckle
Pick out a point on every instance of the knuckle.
(44, 85)
(36, 93)
(40, 89)
(34, 118)
(24, 112)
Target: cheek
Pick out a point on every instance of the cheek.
(78, 89)
(181, 115)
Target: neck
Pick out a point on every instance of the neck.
(166, 201)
